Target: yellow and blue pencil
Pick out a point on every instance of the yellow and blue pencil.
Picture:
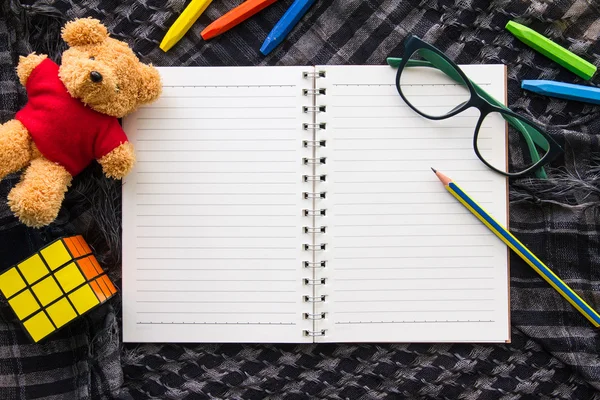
(520, 249)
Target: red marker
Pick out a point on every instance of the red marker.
(235, 17)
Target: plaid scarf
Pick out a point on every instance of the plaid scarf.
(554, 352)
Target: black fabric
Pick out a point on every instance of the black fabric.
(554, 350)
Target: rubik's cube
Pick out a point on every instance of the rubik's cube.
(56, 285)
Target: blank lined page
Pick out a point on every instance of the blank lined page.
(407, 262)
(212, 211)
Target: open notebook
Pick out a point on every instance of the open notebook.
(269, 204)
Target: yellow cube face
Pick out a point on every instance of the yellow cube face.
(33, 268)
(24, 304)
(55, 286)
(47, 290)
(11, 282)
(38, 326)
(61, 312)
(83, 299)
(69, 277)
(56, 255)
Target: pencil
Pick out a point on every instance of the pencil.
(183, 23)
(285, 25)
(234, 17)
(520, 249)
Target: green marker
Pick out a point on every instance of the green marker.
(557, 53)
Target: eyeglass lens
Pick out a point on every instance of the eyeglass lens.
(523, 153)
(442, 94)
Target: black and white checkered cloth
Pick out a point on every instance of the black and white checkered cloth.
(555, 351)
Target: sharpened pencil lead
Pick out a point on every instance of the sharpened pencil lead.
(433, 169)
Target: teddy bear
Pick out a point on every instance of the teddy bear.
(71, 118)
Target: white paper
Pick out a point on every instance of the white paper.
(212, 222)
(406, 261)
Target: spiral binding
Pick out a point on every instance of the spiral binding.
(314, 178)
(315, 299)
(314, 92)
(314, 161)
(314, 195)
(315, 282)
(315, 247)
(315, 333)
(314, 316)
(315, 213)
(314, 109)
(321, 126)
(311, 74)
(314, 143)
(320, 229)
(310, 264)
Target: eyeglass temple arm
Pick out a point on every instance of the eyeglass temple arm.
(529, 134)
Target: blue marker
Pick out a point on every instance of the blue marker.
(285, 25)
(569, 91)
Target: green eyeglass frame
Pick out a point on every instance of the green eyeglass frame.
(532, 136)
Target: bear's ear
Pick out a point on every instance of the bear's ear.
(150, 85)
(84, 31)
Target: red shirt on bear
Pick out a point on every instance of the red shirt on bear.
(63, 128)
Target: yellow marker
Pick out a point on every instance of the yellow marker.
(185, 21)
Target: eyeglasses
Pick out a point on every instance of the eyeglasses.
(460, 94)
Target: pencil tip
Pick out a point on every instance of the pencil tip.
(433, 169)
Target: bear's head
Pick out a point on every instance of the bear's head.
(103, 72)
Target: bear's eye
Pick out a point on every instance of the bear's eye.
(92, 58)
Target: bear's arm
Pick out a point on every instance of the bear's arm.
(27, 65)
(114, 152)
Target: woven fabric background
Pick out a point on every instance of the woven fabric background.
(554, 352)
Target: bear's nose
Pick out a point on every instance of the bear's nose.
(96, 76)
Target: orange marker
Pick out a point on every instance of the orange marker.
(235, 17)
